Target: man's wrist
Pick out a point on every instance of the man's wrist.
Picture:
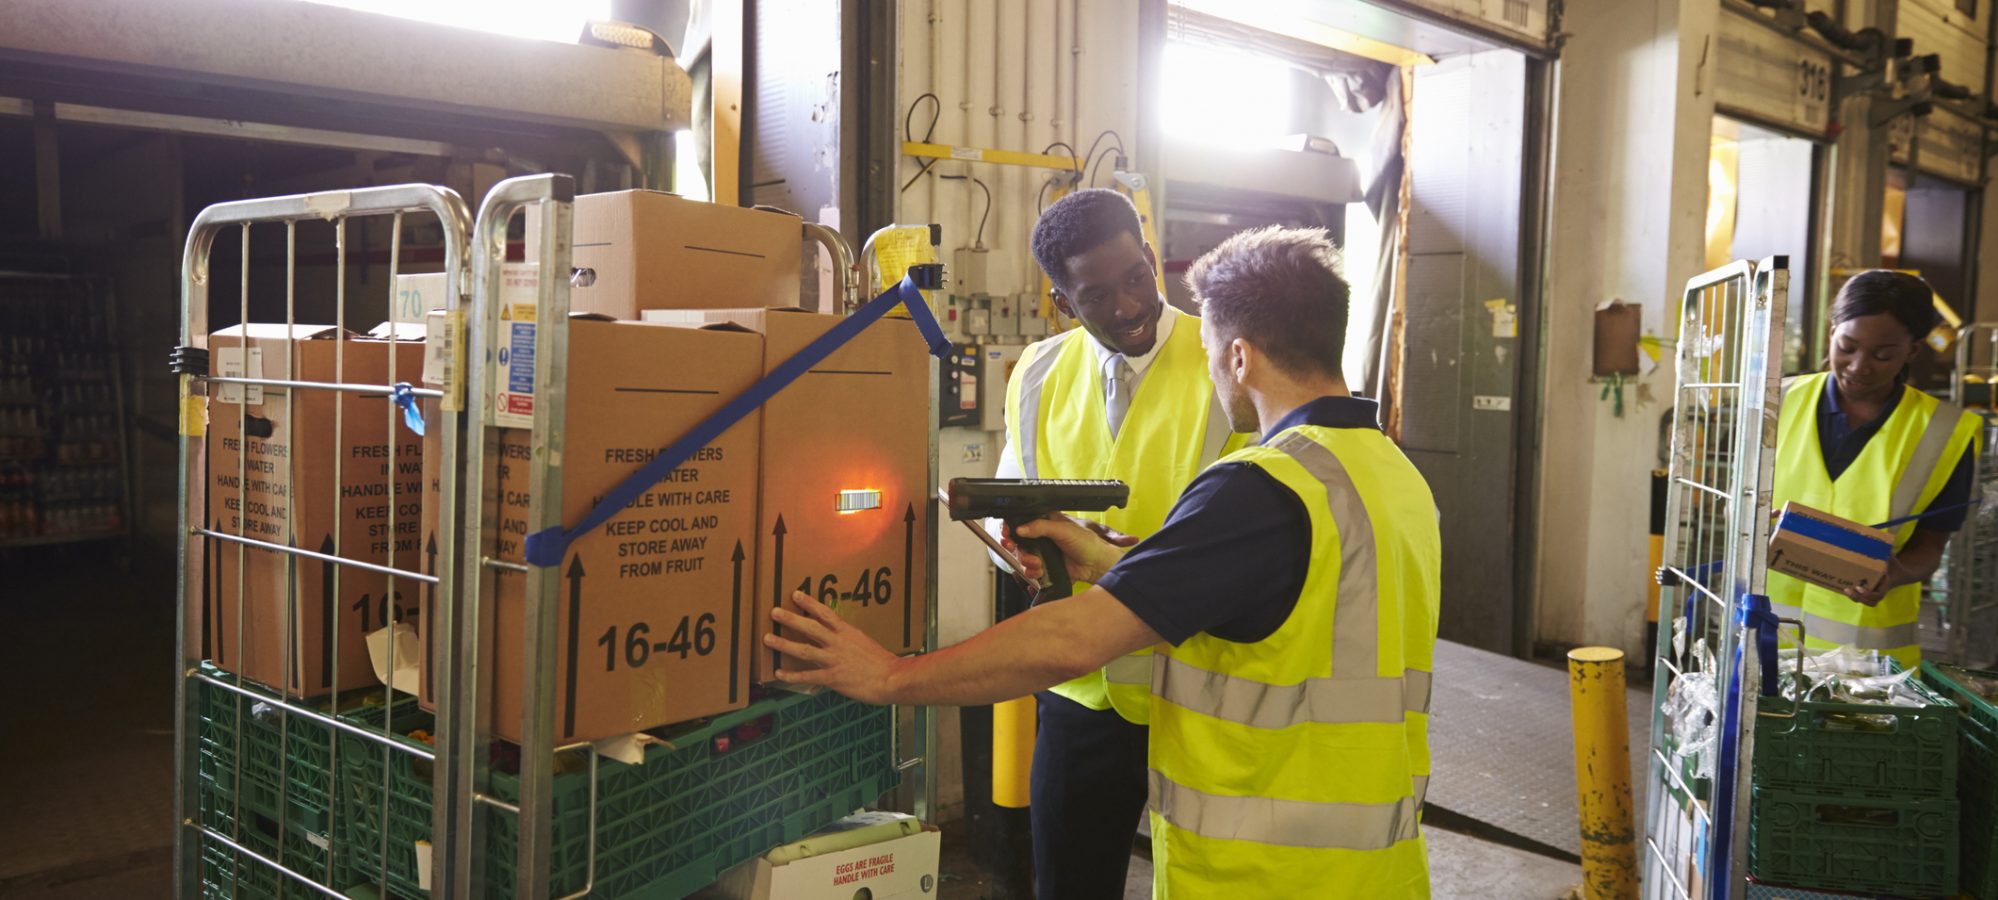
(896, 681)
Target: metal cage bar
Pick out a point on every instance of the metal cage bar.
(1726, 400)
(197, 541)
(1960, 607)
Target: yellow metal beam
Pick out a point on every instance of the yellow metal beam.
(988, 155)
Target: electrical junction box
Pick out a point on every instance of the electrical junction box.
(1006, 315)
(968, 274)
(996, 364)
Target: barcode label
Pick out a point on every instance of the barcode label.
(444, 357)
(229, 363)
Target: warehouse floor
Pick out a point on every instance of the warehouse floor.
(87, 774)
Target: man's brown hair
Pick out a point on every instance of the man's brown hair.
(1279, 289)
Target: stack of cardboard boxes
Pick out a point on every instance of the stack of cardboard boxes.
(677, 308)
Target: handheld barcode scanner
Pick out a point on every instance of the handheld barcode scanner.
(1021, 500)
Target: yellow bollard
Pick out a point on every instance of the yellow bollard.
(1602, 773)
(1012, 751)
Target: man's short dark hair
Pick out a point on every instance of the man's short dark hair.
(1279, 289)
(1079, 223)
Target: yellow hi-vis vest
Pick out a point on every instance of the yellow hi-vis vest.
(1901, 470)
(1296, 766)
(1173, 429)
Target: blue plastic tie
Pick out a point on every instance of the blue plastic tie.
(548, 547)
(405, 397)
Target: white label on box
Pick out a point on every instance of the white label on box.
(444, 357)
(513, 389)
(1492, 403)
(229, 364)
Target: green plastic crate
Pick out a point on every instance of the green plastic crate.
(1980, 818)
(792, 764)
(1979, 714)
(1846, 843)
(278, 750)
(1816, 752)
(226, 874)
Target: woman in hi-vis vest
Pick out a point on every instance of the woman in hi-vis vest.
(1857, 442)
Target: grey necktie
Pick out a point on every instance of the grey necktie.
(1117, 392)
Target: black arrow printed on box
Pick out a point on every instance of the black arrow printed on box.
(575, 628)
(777, 585)
(325, 613)
(429, 623)
(735, 627)
(908, 569)
(211, 595)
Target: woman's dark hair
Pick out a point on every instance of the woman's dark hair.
(1906, 297)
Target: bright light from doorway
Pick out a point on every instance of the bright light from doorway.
(548, 20)
(1220, 97)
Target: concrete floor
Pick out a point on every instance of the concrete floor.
(87, 770)
(1461, 867)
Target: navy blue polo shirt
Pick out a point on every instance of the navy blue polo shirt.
(1233, 554)
(1840, 442)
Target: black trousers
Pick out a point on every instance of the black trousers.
(1088, 791)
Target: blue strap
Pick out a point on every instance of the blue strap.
(405, 397)
(1756, 614)
(548, 547)
(1890, 523)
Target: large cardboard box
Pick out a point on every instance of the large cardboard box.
(1825, 550)
(358, 497)
(652, 627)
(845, 482)
(651, 250)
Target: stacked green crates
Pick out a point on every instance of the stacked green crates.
(718, 794)
(286, 764)
(1845, 806)
(1979, 750)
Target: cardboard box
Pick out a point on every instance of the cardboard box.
(653, 250)
(1825, 550)
(290, 493)
(416, 295)
(652, 624)
(856, 422)
(904, 866)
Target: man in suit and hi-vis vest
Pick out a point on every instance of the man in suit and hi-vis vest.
(1125, 396)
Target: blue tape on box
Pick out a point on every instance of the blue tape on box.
(1827, 533)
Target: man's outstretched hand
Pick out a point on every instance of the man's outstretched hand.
(837, 655)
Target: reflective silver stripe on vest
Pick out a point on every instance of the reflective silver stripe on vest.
(1421, 790)
(1356, 623)
(1846, 634)
(1335, 701)
(1285, 823)
(1928, 454)
(1218, 430)
(1027, 442)
(1129, 669)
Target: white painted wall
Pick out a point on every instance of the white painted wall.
(1011, 75)
(1632, 120)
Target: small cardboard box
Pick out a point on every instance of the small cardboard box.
(359, 498)
(416, 295)
(844, 487)
(653, 250)
(1830, 552)
(903, 866)
(652, 627)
